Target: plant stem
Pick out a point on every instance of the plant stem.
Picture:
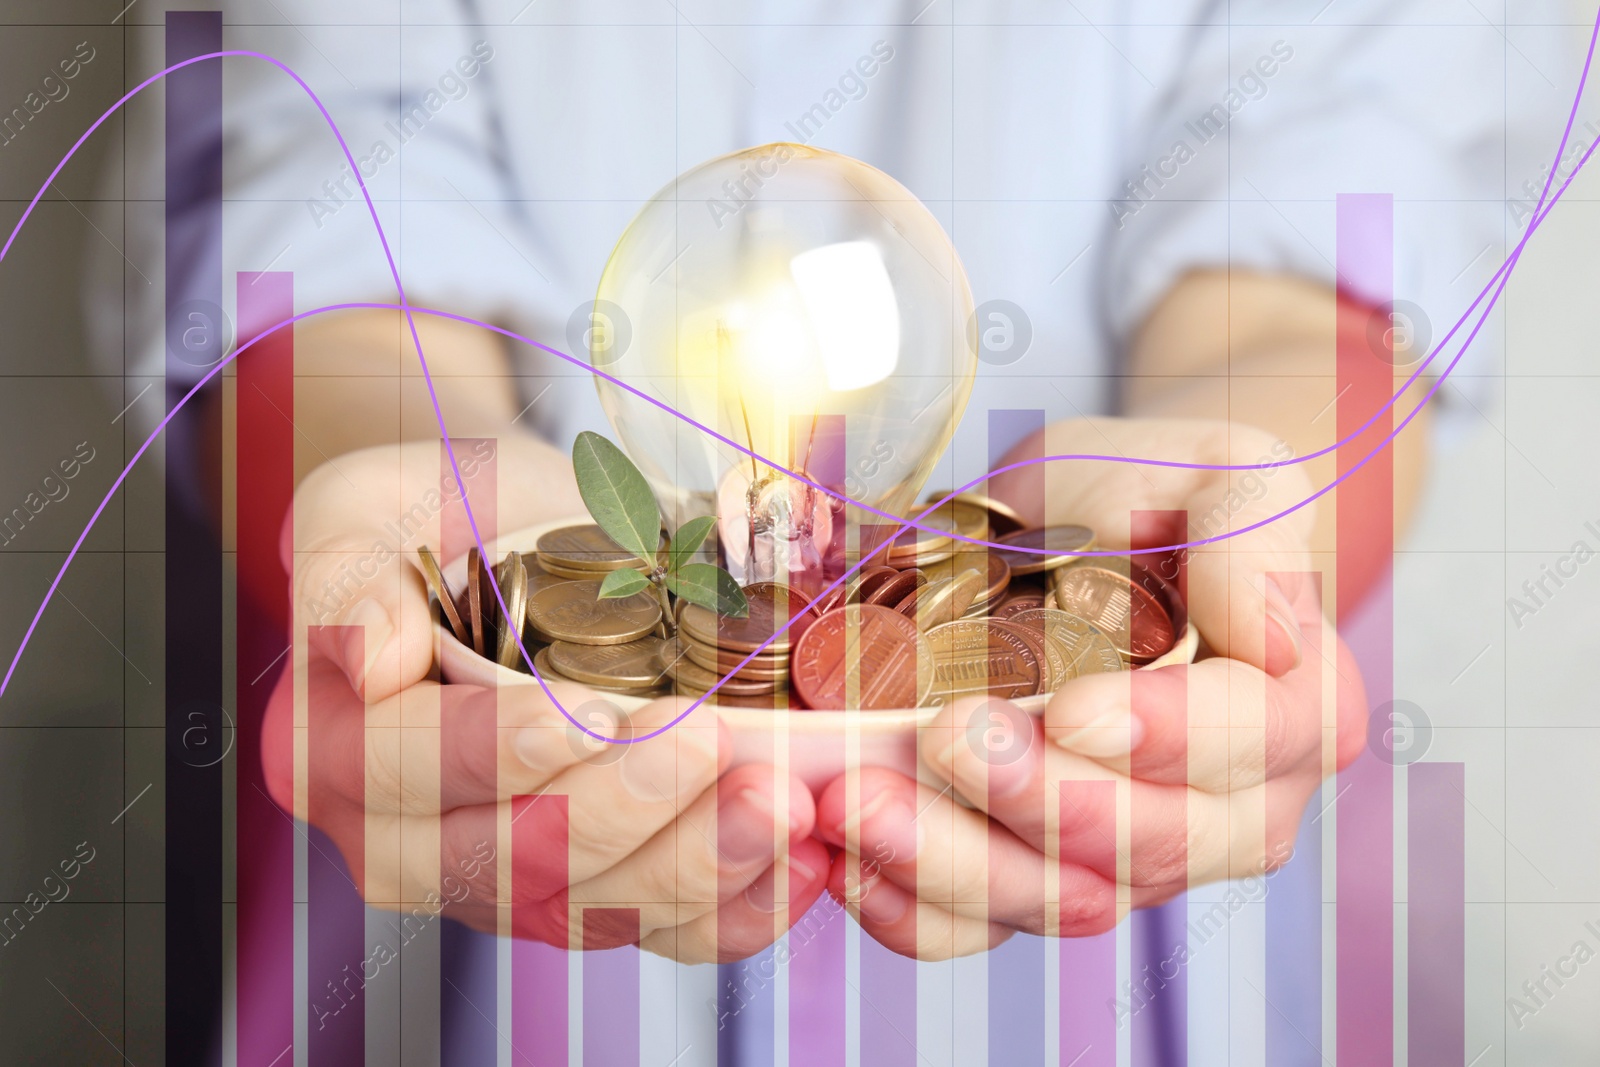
(666, 605)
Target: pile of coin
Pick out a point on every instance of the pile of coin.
(929, 619)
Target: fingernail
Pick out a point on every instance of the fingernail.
(369, 630)
(882, 903)
(1115, 733)
(852, 822)
(763, 892)
(943, 758)
(1280, 613)
(745, 826)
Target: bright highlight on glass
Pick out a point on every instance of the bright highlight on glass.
(822, 323)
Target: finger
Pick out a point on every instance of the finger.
(351, 542)
(357, 600)
(606, 808)
(1037, 790)
(1246, 594)
(946, 854)
(431, 748)
(714, 851)
(1219, 725)
(898, 921)
(753, 919)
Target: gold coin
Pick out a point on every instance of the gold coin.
(573, 611)
(635, 665)
(512, 578)
(582, 548)
(926, 543)
(1088, 650)
(944, 602)
(540, 579)
(1003, 519)
(548, 671)
(441, 592)
(990, 564)
(1063, 542)
(1055, 667)
(982, 657)
(968, 519)
(573, 574)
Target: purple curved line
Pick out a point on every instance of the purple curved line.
(1503, 275)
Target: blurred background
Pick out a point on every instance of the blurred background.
(1514, 487)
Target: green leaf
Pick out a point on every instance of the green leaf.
(710, 587)
(617, 495)
(624, 582)
(690, 536)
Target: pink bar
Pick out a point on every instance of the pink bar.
(265, 476)
(335, 914)
(1090, 1009)
(538, 969)
(610, 986)
(1436, 914)
(817, 987)
(1364, 914)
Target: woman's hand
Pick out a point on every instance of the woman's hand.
(1215, 761)
(417, 782)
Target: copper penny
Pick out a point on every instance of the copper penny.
(512, 577)
(689, 674)
(757, 628)
(762, 667)
(1123, 609)
(1003, 519)
(983, 656)
(861, 656)
(636, 664)
(896, 588)
(1167, 595)
(475, 577)
(969, 519)
(931, 537)
(946, 601)
(440, 589)
(990, 564)
(573, 611)
(549, 671)
(779, 700)
(1061, 542)
(582, 547)
(872, 579)
(540, 579)
(1015, 605)
(1054, 665)
(1088, 650)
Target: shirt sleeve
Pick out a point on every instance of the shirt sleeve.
(1278, 109)
(423, 127)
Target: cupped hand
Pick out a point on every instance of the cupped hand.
(1211, 763)
(490, 804)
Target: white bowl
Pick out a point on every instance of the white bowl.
(819, 745)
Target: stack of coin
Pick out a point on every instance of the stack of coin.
(583, 552)
(474, 617)
(709, 646)
(926, 620)
(610, 645)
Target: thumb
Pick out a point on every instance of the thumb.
(364, 606)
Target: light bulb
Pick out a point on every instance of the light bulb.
(809, 308)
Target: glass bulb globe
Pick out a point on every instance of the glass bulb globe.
(808, 307)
